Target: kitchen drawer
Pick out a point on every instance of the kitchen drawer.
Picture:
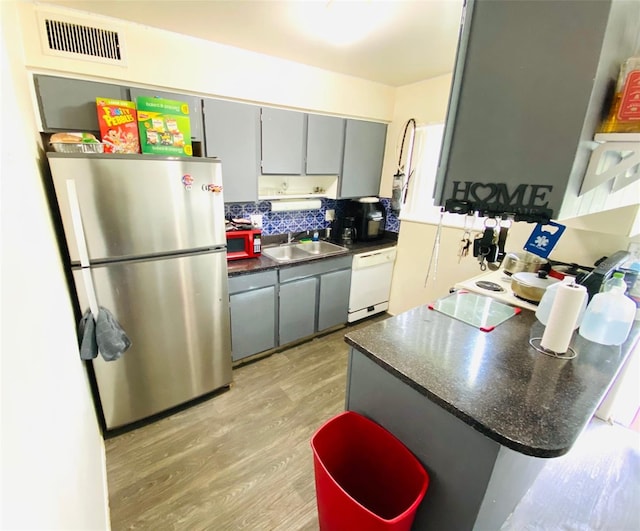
(252, 281)
(317, 267)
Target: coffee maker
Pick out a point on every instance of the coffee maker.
(369, 216)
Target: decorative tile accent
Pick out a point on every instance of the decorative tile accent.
(393, 223)
(296, 221)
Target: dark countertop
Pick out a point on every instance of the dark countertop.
(250, 265)
(255, 265)
(495, 381)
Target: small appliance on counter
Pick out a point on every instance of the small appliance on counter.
(363, 220)
(243, 243)
(370, 218)
(604, 269)
(348, 233)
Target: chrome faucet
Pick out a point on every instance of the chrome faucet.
(289, 237)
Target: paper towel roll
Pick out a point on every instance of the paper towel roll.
(563, 317)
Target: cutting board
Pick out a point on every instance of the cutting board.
(477, 310)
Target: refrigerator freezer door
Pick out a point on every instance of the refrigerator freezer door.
(175, 310)
(140, 205)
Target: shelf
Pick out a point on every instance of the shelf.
(617, 137)
(616, 156)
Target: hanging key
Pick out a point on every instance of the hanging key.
(465, 250)
(461, 249)
(465, 243)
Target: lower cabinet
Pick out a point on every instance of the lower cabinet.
(275, 308)
(332, 309)
(297, 309)
(313, 297)
(253, 306)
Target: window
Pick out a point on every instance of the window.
(419, 205)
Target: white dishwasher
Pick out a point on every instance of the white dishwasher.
(370, 283)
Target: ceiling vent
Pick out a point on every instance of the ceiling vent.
(81, 39)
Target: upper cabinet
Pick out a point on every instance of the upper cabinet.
(195, 106)
(70, 104)
(363, 154)
(529, 90)
(232, 135)
(325, 144)
(282, 141)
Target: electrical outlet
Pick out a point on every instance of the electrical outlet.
(329, 214)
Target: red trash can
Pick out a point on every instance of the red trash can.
(366, 479)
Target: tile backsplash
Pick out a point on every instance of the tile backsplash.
(295, 221)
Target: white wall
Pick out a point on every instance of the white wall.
(53, 461)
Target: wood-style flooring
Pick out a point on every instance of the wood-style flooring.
(242, 459)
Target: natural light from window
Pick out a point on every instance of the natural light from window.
(419, 205)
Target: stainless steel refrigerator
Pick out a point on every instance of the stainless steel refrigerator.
(146, 240)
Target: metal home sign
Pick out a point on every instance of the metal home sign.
(525, 195)
(524, 199)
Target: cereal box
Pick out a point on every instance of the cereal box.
(164, 126)
(118, 125)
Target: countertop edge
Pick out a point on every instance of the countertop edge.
(256, 265)
(533, 451)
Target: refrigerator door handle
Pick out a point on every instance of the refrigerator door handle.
(78, 230)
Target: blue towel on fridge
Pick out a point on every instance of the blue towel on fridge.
(104, 335)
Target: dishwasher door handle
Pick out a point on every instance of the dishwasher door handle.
(374, 258)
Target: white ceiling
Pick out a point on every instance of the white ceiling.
(416, 40)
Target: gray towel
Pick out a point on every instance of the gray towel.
(104, 335)
(111, 338)
(87, 335)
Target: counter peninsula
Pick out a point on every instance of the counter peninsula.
(481, 410)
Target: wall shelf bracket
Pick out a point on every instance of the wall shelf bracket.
(613, 158)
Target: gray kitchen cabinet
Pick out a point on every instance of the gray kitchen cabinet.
(530, 86)
(325, 144)
(70, 104)
(333, 303)
(195, 107)
(297, 309)
(232, 135)
(314, 296)
(282, 138)
(253, 307)
(362, 161)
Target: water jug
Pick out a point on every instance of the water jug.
(609, 316)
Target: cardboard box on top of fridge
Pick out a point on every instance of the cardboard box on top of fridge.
(164, 126)
(118, 125)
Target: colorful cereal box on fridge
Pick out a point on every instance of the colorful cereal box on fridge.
(118, 125)
(164, 126)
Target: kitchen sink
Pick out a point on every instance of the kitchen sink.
(321, 248)
(293, 252)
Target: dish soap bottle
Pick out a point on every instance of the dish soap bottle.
(609, 316)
